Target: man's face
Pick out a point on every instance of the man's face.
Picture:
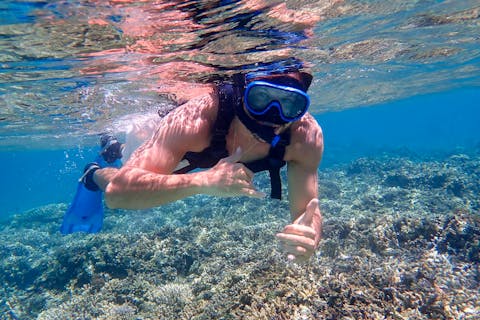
(276, 100)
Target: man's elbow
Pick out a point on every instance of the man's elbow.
(113, 199)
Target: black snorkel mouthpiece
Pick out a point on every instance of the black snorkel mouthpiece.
(258, 128)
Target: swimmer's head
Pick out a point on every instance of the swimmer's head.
(277, 95)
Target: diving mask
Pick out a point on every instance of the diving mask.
(275, 103)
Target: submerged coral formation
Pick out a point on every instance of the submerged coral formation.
(401, 241)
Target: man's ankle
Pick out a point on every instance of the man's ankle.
(87, 178)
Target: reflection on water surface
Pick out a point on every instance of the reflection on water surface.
(71, 68)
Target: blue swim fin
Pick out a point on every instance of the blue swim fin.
(85, 212)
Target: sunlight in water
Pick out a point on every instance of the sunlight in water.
(75, 69)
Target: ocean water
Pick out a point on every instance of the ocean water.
(396, 90)
(426, 125)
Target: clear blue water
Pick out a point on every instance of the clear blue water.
(402, 75)
(396, 81)
(427, 125)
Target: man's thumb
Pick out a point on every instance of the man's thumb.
(307, 217)
(234, 157)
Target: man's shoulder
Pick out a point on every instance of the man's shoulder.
(190, 124)
(307, 131)
(197, 112)
(306, 145)
(204, 105)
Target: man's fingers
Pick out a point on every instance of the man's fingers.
(252, 192)
(298, 258)
(244, 171)
(295, 240)
(298, 238)
(248, 172)
(234, 157)
(297, 253)
(296, 250)
(299, 230)
(307, 218)
(238, 178)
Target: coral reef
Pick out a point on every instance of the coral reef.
(401, 241)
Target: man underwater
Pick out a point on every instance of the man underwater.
(259, 122)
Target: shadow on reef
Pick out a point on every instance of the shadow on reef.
(401, 240)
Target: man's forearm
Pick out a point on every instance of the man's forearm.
(135, 188)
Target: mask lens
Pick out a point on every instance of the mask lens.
(260, 96)
(293, 103)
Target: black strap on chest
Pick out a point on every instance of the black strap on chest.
(273, 162)
(217, 149)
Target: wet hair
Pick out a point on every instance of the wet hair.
(287, 72)
(288, 80)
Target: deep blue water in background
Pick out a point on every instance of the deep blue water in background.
(434, 124)
(439, 123)
(38, 177)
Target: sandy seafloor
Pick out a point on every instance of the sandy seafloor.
(401, 241)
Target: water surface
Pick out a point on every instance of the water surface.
(72, 69)
(396, 91)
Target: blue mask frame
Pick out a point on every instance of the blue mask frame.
(291, 103)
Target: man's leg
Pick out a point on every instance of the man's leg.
(102, 177)
(98, 174)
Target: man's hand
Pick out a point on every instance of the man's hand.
(301, 238)
(229, 178)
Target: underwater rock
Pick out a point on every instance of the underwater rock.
(410, 230)
(398, 180)
(457, 188)
(330, 190)
(461, 237)
(392, 196)
(437, 181)
(362, 166)
(388, 252)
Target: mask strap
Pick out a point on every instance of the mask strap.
(275, 140)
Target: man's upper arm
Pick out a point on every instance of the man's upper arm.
(187, 128)
(303, 167)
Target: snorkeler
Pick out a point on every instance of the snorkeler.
(258, 122)
(85, 213)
